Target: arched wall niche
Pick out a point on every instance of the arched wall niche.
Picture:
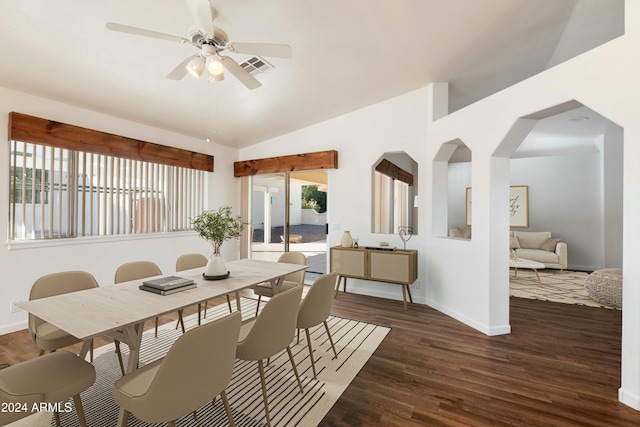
(452, 165)
(394, 194)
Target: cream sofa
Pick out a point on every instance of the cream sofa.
(541, 247)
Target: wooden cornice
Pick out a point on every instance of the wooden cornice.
(48, 132)
(385, 167)
(297, 162)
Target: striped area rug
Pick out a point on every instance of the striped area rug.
(566, 288)
(355, 342)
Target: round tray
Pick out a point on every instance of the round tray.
(221, 277)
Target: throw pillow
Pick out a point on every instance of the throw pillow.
(550, 244)
(515, 243)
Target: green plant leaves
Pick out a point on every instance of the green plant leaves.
(218, 226)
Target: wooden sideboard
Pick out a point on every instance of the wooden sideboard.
(397, 266)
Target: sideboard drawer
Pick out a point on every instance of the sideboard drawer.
(349, 262)
(390, 267)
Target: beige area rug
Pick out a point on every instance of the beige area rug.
(567, 287)
(355, 342)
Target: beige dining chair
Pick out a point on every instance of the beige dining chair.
(270, 333)
(189, 261)
(198, 367)
(51, 378)
(315, 309)
(140, 270)
(46, 336)
(290, 280)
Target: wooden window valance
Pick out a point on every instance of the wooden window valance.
(385, 167)
(292, 163)
(48, 132)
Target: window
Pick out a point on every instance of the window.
(62, 193)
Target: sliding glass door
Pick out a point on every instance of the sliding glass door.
(268, 216)
(289, 213)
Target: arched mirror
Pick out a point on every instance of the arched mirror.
(395, 194)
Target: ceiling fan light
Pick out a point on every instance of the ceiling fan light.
(216, 78)
(214, 65)
(195, 67)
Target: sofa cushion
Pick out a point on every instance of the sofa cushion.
(550, 244)
(538, 255)
(532, 239)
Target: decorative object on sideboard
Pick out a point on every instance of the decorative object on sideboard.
(216, 227)
(406, 233)
(347, 240)
(355, 243)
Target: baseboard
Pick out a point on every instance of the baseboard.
(13, 327)
(485, 329)
(630, 399)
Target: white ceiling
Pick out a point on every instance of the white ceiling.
(346, 55)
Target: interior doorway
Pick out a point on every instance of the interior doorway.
(289, 213)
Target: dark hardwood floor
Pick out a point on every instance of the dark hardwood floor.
(560, 366)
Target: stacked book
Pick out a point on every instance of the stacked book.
(167, 285)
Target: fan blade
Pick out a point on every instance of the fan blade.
(142, 32)
(263, 49)
(180, 71)
(240, 73)
(201, 14)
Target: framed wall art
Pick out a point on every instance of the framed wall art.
(518, 206)
(468, 201)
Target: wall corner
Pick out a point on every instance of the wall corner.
(438, 93)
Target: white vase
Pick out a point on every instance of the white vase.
(215, 266)
(347, 240)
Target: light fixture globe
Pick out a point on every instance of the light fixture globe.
(216, 78)
(195, 67)
(214, 65)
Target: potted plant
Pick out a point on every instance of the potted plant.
(216, 227)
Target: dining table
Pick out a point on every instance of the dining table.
(121, 310)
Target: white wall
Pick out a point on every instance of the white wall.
(22, 264)
(612, 196)
(469, 280)
(310, 216)
(360, 139)
(459, 179)
(565, 199)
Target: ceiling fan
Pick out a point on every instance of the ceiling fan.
(211, 41)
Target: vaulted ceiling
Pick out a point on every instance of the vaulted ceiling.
(346, 55)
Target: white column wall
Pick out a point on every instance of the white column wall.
(604, 79)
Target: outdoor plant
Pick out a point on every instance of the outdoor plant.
(312, 198)
(216, 227)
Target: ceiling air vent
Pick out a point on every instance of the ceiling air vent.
(255, 65)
